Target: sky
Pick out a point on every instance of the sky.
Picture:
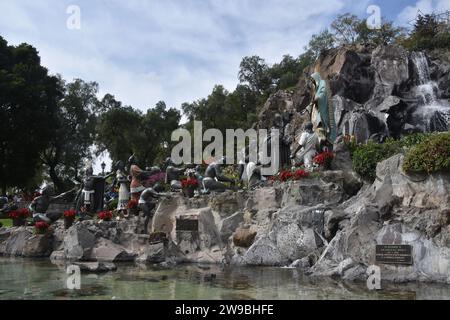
(144, 51)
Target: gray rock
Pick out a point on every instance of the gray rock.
(230, 224)
(153, 254)
(78, 242)
(107, 251)
(96, 267)
(16, 241)
(244, 237)
(301, 264)
(264, 253)
(38, 246)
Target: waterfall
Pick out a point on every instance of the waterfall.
(427, 92)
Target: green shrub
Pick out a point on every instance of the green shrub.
(367, 156)
(431, 155)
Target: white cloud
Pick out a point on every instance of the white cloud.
(144, 51)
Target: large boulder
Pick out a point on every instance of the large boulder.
(230, 224)
(105, 250)
(23, 242)
(78, 242)
(244, 237)
(396, 209)
(391, 65)
(264, 252)
(328, 189)
(38, 246)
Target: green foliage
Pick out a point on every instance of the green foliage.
(254, 72)
(321, 42)
(124, 131)
(367, 156)
(7, 223)
(428, 34)
(74, 132)
(28, 108)
(432, 154)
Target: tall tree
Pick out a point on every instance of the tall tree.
(254, 72)
(28, 110)
(320, 42)
(74, 133)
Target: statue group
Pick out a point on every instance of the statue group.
(145, 188)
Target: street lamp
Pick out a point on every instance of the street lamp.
(103, 168)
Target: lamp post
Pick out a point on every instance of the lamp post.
(103, 168)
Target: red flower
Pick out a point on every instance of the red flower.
(190, 182)
(22, 213)
(300, 174)
(41, 226)
(70, 213)
(324, 158)
(286, 175)
(132, 204)
(105, 215)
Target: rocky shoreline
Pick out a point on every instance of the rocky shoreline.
(327, 225)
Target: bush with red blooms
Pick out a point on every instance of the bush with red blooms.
(70, 214)
(324, 159)
(20, 214)
(300, 174)
(133, 204)
(105, 215)
(41, 227)
(285, 175)
(189, 183)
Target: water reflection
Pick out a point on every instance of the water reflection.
(39, 279)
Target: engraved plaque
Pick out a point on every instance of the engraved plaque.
(394, 254)
(187, 224)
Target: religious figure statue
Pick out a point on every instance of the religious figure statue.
(147, 203)
(214, 177)
(40, 205)
(322, 115)
(124, 193)
(136, 174)
(253, 174)
(90, 199)
(173, 175)
(199, 176)
(307, 147)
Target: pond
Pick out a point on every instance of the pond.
(40, 279)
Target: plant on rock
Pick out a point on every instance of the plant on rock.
(41, 227)
(324, 159)
(105, 215)
(429, 156)
(19, 216)
(69, 218)
(189, 185)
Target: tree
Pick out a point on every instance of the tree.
(74, 133)
(28, 109)
(158, 125)
(345, 28)
(428, 34)
(119, 131)
(254, 72)
(320, 42)
(124, 131)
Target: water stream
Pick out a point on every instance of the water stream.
(40, 279)
(427, 91)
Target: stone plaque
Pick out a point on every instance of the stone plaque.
(187, 224)
(394, 254)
